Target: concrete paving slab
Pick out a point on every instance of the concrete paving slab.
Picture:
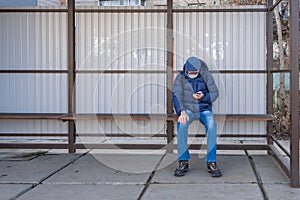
(257, 152)
(261, 141)
(144, 140)
(90, 192)
(129, 151)
(203, 191)
(282, 192)
(168, 160)
(33, 171)
(66, 151)
(235, 169)
(230, 152)
(9, 191)
(132, 163)
(96, 168)
(269, 170)
(20, 154)
(219, 152)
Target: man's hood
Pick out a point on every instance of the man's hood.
(194, 64)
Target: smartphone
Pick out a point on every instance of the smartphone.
(199, 92)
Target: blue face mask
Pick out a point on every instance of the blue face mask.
(192, 76)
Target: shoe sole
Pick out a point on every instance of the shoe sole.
(215, 175)
(181, 174)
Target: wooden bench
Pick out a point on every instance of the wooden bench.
(63, 117)
(166, 117)
(135, 117)
(140, 117)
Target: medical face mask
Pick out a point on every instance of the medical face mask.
(192, 76)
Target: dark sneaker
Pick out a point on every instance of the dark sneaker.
(182, 169)
(213, 169)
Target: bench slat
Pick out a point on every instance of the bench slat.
(51, 116)
(228, 117)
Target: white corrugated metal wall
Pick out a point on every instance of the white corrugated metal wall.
(33, 41)
(121, 41)
(134, 42)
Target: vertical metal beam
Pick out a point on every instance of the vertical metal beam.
(294, 92)
(269, 66)
(170, 124)
(71, 74)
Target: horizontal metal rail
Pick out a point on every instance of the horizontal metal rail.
(23, 71)
(164, 71)
(221, 10)
(179, 10)
(239, 71)
(162, 135)
(118, 10)
(158, 135)
(32, 71)
(121, 71)
(30, 10)
(280, 146)
(136, 117)
(34, 145)
(280, 70)
(132, 10)
(136, 71)
(33, 134)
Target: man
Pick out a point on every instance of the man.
(193, 93)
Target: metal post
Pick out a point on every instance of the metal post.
(294, 92)
(71, 75)
(170, 124)
(269, 68)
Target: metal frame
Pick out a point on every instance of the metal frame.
(71, 75)
(269, 65)
(291, 168)
(294, 93)
(170, 66)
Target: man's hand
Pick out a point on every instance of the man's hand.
(198, 96)
(183, 118)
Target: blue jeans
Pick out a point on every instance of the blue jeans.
(207, 119)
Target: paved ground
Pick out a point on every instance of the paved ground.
(49, 174)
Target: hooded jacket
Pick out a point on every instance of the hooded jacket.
(184, 88)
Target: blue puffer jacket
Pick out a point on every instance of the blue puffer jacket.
(184, 88)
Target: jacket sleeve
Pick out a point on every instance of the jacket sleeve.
(177, 94)
(212, 89)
